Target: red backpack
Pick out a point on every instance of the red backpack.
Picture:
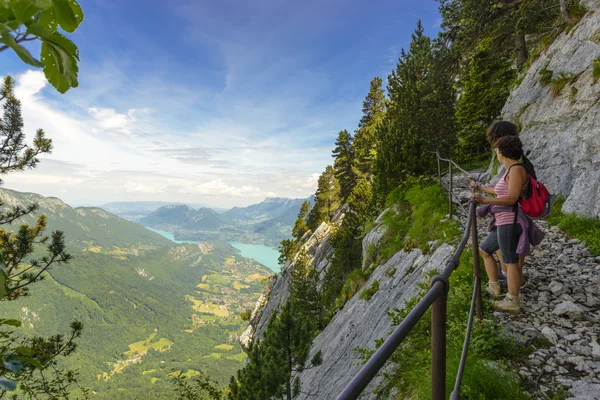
(535, 201)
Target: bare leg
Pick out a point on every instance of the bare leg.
(521, 263)
(514, 279)
(491, 268)
(499, 255)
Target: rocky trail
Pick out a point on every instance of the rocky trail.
(560, 313)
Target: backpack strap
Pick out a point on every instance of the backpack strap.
(516, 205)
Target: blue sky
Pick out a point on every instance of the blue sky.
(216, 102)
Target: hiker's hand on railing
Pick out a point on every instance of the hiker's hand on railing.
(473, 184)
(478, 198)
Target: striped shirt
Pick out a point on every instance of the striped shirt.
(501, 190)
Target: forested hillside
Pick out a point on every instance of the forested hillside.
(148, 307)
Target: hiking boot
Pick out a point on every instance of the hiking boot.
(502, 280)
(493, 289)
(509, 305)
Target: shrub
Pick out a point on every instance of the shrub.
(246, 315)
(369, 292)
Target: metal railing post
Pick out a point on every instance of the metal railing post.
(476, 265)
(439, 168)
(438, 347)
(450, 193)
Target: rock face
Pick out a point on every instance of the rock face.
(562, 131)
(361, 322)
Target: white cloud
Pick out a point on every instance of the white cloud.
(102, 154)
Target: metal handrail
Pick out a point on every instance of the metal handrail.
(435, 298)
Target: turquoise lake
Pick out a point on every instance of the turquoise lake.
(265, 255)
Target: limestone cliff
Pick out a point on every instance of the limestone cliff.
(561, 129)
(320, 250)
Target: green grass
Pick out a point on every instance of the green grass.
(488, 374)
(416, 218)
(368, 293)
(390, 272)
(545, 77)
(576, 13)
(576, 226)
(596, 70)
(354, 282)
(560, 82)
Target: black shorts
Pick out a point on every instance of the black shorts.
(506, 239)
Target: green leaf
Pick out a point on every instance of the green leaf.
(7, 384)
(12, 322)
(32, 361)
(25, 10)
(21, 51)
(68, 14)
(47, 20)
(60, 65)
(6, 14)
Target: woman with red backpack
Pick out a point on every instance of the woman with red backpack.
(511, 231)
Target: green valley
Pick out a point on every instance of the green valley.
(148, 306)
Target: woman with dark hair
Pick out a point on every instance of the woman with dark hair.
(507, 233)
(495, 172)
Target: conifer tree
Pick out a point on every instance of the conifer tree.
(343, 164)
(347, 242)
(485, 91)
(419, 118)
(275, 361)
(300, 227)
(327, 199)
(365, 144)
(33, 363)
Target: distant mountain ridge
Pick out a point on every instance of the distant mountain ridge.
(267, 222)
(82, 224)
(185, 217)
(136, 210)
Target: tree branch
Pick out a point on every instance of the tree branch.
(19, 39)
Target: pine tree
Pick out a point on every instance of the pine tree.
(485, 91)
(300, 227)
(304, 291)
(347, 242)
(419, 118)
(35, 363)
(283, 352)
(343, 164)
(364, 143)
(327, 199)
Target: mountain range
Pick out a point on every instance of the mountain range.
(136, 210)
(266, 223)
